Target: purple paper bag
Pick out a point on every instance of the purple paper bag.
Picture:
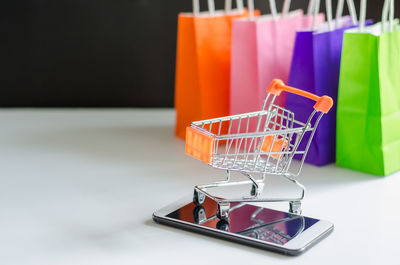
(315, 68)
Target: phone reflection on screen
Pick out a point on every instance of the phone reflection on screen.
(247, 220)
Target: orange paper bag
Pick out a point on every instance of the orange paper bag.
(203, 64)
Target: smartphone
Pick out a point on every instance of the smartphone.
(248, 224)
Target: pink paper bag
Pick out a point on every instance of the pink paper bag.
(261, 51)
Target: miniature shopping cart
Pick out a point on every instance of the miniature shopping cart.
(255, 144)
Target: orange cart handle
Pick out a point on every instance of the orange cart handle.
(323, 104)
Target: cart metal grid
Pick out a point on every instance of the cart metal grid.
(256, 144)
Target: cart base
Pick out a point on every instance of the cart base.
(224, 205)
(200, 194)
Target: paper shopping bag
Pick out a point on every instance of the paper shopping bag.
(203, 65)
(368, 114)
(315, 68)
(261, 51)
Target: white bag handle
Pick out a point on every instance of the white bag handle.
(391, 18)
(352, 11)
(286, 7)
(228, 6)
(196, 7)
(239, 5)
(272, 6)
(388, 10)
(310, 8)
(317, 5)
(339, 11)
(363, 14)
(250, 6)
(328, 4)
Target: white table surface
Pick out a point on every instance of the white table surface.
(80, 186)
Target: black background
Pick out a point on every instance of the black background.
(96, 53)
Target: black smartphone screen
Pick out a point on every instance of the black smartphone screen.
(246, 220)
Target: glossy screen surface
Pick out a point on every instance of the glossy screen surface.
(247, 220)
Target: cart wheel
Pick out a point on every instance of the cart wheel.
(223, 225)
(253, 190)
(198, 197)
(295, 207)
(199, 214)
(223, 211)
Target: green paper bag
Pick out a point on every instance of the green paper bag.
(368, 110)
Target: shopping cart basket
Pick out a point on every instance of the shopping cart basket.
(255, 144)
